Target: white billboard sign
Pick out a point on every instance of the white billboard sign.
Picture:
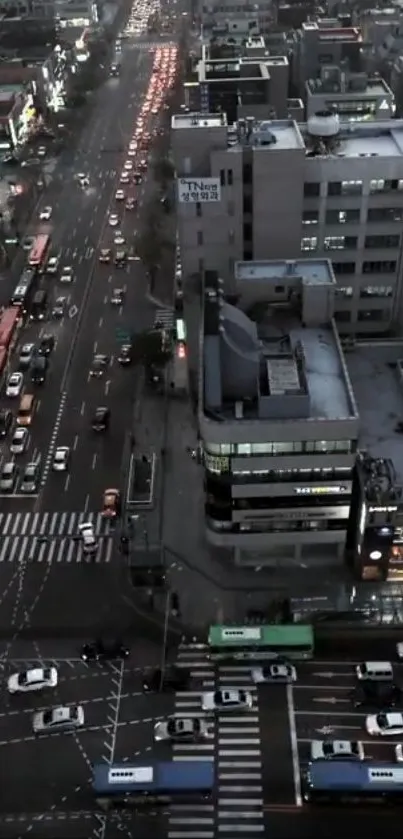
(198, 190)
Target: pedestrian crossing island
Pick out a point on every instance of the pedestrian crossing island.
(49, 538)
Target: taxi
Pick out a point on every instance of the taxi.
(111, 503)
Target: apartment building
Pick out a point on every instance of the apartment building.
(354, 96)
(277, 416)
(240, 16)
(276, 190)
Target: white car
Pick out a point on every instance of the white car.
(39, 678)
(385, 724)
(90, 544)
(20, 440)
(132, 150)
(66, 275)
(272, 673)
(45, 214)
(180, 730)
(124, 178)
(119, 239)
(399, 649)
(26, 355)
(63, 718)
(337, 750)
(61, 459)
(14, 385)
(120, 195)
(399, 753)
(52, 265)
(227, 700)
(128, 166)
(113, 220)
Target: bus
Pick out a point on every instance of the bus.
(133, 784)
(9, 322)
(25, 289)
(293, 641)
(353, 782)
(37, 254)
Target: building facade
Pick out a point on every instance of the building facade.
(321, 43)
(276, 190)
(277, 415)
(354, 96)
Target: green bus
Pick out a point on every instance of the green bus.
(245, 643)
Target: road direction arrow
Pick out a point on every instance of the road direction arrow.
(331, 700)
(324, 674)
(326, 729)
(73, 311)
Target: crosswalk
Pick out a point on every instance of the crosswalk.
(234, 746)
(52, 538)
(165, 317)
(50, 524)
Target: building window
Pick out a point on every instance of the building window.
(343, 267)
(287, 448)
(385, 214)
(247, 173)
(382, 266)
(393, 185)
(310, 217)
(231, 237)
(230, 177)
(247, 231)
(339, 243)
(382, 241)
(311, 190)
(198, 209)
(201, 265)
(344, 291)
(279, 289)
(328, 446)
(247, 204)
(377, 185)
(222, 177)
(344, 188)
(342, 216)
(342, 316)
(370, 315)
(376, 291)
(200, 238)
(309, 243)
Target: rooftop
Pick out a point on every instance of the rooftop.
(198, 120)
(360, 139)
(261, 361)
(378, 388)
(357, 86)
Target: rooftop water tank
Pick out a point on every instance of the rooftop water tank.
(324, 124)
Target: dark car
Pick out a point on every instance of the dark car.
(370, 694)
(104, 651)
(173, 678)
(39, 369)
(46, 345)
(125, 354)
(6, 419)
(101, 419)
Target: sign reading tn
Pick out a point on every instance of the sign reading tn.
(198, 191)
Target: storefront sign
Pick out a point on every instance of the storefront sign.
(201, 191)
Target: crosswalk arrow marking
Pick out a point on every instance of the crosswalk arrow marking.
(73, 311)
(326, 729)
(324, 674)
(331, 700)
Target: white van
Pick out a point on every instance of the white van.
(377, 671)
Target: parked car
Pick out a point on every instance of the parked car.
(180, 730)
(229, 700)
(37, 678)
(62, 718)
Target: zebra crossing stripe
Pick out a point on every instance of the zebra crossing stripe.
(54, 551)
(52, 525)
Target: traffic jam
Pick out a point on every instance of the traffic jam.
(41, 296)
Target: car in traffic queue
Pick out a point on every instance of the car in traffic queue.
(101, 419)
(46, 344)
(59, 308)
(105, 255)
(111, 504)
(131, 204)
(19, 440)
(117, 296)
(125, 356)
(14, 385)
(25, 356)
(66, 275)
(6, 421)
(30, 478)
(337, 750)
(45, 214)
(384, 724)
(178, 730)
(32, 680)
(52, 264)
(8, 476)
(61, 718)
(275, 673)
(223, 701)
(99, 365)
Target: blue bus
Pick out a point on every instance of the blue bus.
(133, 784)
(353, 782)
(25, 289)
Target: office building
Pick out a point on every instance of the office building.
(354, 96)
(277, 416)
(83, 11)
(322, 43)
(239, 86)
(276, 190)
(240, 18)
